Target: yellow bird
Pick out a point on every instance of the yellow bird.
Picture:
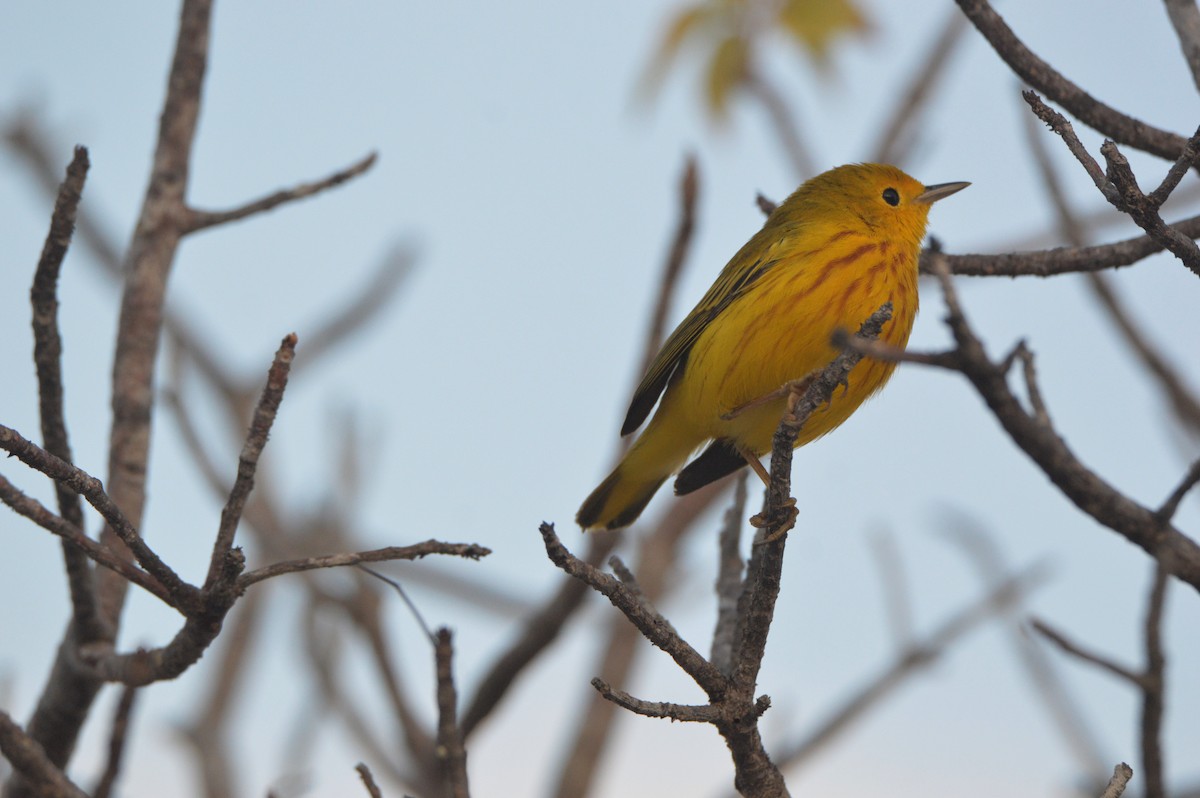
(843, 244)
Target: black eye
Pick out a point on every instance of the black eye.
(891, 196)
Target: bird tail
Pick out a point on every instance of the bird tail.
(621, 497)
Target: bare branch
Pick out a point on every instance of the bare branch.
(657, 557)
(1088, 491)
(649, 623)
(368, 780)
(415, 551)
(84, 484)
(353, 316)
(196, 220)
(1047, 80)
(1061, 260)
(655, 709)
(256, 440)
(1122, 773)
(47, 357)
(40, 515)
(541, 629)
(1059, 124)
(1143, 210)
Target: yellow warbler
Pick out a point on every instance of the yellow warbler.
(843, 244)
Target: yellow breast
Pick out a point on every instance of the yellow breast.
(780, 330)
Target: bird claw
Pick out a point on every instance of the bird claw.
(789, 515)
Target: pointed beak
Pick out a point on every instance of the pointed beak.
(932, 194)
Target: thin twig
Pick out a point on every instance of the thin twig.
(649, 623)
(256, 440)
(47, 357)
(411, 552)
(368, 780)
(35, 511)
(655, 709)
(196, 220)
(92, 490)
(1122, 773)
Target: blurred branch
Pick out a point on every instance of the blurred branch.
(1149, 681)
(782, 122)
(983, 551)
(729, 579)
(450, 752)
(1183, 401)
(689, 190)
(352, 316)
(1185, 18)
(116, 743)
(895, 143)
(29, 760)
(915, 656)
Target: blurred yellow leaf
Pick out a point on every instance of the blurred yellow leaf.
(726, 71)
(817, 24)
(683, 25)
(730, 32)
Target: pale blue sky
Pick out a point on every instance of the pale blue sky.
(541, 198)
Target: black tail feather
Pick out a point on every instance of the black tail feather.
(720, 459)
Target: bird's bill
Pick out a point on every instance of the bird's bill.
(932, 194)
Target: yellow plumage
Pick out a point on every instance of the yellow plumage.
(839, 247)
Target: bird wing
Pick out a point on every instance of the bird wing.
(735, 279)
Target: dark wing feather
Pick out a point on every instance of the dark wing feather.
(733, 281)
